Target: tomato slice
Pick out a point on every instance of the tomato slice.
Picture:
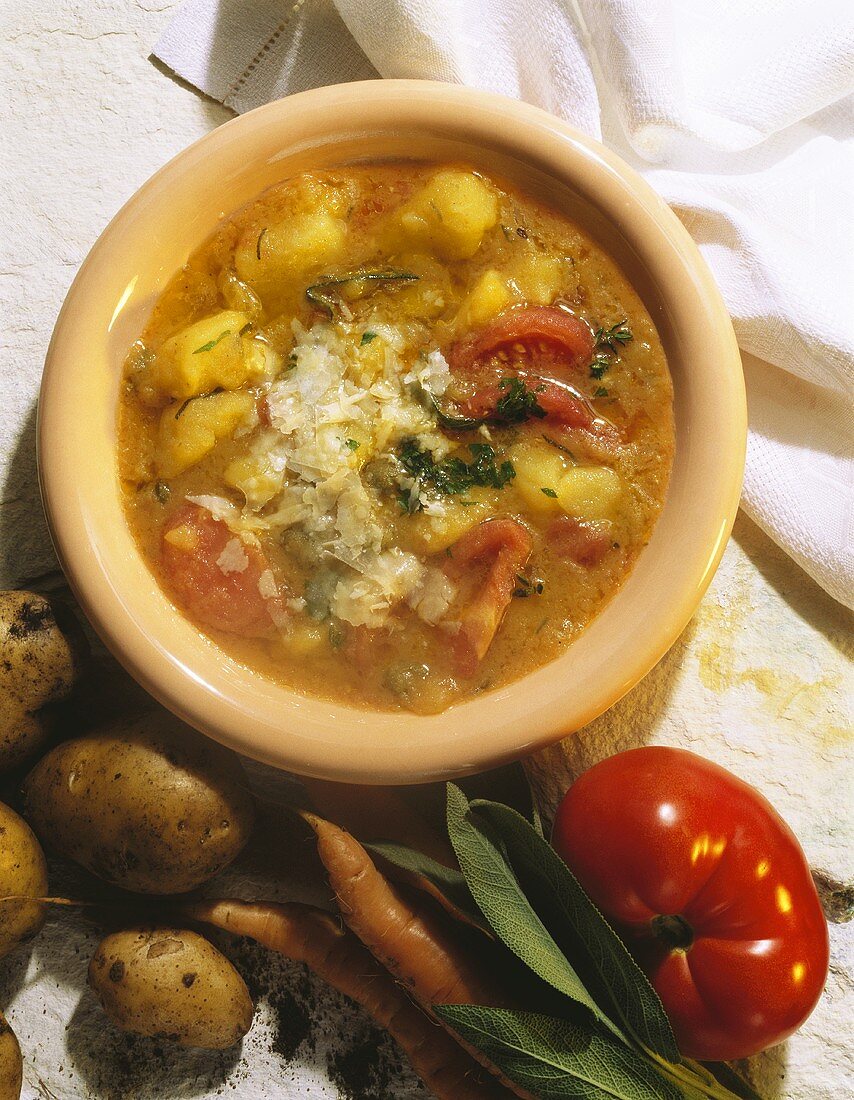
(508, 543)
(582, 541)
(547, 330)
(217, 583)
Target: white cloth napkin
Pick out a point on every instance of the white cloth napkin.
(740, 113)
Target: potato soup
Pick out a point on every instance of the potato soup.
(395, 434)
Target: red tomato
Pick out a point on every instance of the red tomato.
(552, 332)
(583, 541)
(710, 890)
(543, 346)
(217, 597)
(506, 543)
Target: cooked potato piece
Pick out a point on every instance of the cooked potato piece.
(539, 277)
(173, 984)
(449, 215)
(149, 805)
(486, 299)
(208, 355)
(590, 492)
(188, 432)
(426, 533)
(278, 260)
(23, 872)
(11, 1063)
(539, 470)
(255, 476)
(44, 651)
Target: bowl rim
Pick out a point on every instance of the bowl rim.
(424, 748)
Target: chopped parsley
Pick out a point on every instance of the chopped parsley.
(367, 337)
(353, 444)
(161, 492)
(213, 343)
(601, 392)
(549, 493)
(452, 476)
(618, 334)
(600, 364)
(517, 403)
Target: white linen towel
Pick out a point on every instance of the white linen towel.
(740, 113)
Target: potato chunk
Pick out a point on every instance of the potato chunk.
(208, 355)
(277, 261)
(539, 277)
(489, 296)
(540, 469)
(255, 475)
(450, 215)
(188, 432)
(431, 534)
(590, 492)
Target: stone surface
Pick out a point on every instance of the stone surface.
(759, 681)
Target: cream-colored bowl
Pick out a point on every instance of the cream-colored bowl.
(152, 237)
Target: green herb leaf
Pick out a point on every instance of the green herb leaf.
(258, 243)
(196, 397)
(499, 897)
(367, 337)
(213, 343)
(726, 1076)
(618, 334)
(601, 392)
(616, 982)
(325, 293)
(453, 475)
(556, 1059)
(549, 493)
(352, 444)
(527, 587)
(455, 423)
(560, 447)
(517, 403)
(600, 364)
(445, 884)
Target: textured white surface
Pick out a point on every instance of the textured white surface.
(760, 680)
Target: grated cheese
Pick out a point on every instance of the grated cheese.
(233, 558)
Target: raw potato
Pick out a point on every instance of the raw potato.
(11, 1064)
(23, 872)
(149, 805)
(43, 651)
(172, 984)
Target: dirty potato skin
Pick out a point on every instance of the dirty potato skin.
(148, 804)
(172, 984)
(23, 871)
(42, 652)
(11, 1065)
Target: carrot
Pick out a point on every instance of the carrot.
(379, 813)
(310, 936)
(429, 953)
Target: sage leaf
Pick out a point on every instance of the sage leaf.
(443, 883)
(728, 1077)
(553, 1058)
(494, 887)
(619, 986)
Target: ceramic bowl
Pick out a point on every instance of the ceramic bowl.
(152, 237)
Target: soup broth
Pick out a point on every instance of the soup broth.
(395, 434)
